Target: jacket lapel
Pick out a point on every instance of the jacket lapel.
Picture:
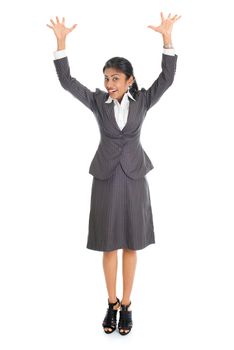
(111, 114)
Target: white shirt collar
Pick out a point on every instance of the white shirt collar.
(110, 99)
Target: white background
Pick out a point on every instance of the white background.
(53, 293)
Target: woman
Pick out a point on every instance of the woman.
(120, 209)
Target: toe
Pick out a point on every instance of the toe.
(122, 330)
(108, 329)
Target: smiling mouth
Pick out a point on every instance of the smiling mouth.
(112, 91)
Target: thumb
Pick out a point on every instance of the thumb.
(73, 27)
(152, 27)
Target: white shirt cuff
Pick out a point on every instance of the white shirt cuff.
(170, 52)
(59, 54)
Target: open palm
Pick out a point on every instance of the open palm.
(166, 25)
(59, 28)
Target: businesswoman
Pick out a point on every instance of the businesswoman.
(120, 208)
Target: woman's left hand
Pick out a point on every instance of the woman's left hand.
(166, 25)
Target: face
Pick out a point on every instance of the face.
(116, 83)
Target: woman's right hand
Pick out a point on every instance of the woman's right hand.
(60, 30)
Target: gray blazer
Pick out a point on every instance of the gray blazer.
(118, 145)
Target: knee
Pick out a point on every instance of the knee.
(129, 251)
(110, 253)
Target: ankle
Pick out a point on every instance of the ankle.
(112, 300)
(125, 302)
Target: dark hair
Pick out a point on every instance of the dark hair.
(123, 65)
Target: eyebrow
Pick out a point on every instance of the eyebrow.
(111, 75)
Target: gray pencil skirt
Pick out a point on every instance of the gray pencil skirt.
(120, 213)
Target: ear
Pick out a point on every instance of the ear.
(131, 80)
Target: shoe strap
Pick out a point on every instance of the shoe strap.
(125, 307)
(113, 304)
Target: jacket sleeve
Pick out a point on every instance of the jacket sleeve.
(79, 91)
(162, 83)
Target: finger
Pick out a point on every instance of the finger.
(52, 22)
(49, 26)
(156, 29)
(63, 20)
(152, 27)
(73, 27)
(162, 17)
(174, 17)
(57, 19)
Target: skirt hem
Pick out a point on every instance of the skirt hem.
(120, 247)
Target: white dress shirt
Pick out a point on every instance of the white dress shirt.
(121, 109)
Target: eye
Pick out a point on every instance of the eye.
(115, 78)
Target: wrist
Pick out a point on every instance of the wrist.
(167, 41)
(61, 44)
(168, 46)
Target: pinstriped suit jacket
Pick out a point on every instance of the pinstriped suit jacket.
(118, 145)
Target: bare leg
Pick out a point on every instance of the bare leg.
(129, 268)
(110, 264)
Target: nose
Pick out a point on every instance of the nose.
(109, 86)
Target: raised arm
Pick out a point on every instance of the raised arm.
(166, 77)
(69, 83)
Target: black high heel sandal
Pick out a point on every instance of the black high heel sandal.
(125, 319)
(110, 318)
